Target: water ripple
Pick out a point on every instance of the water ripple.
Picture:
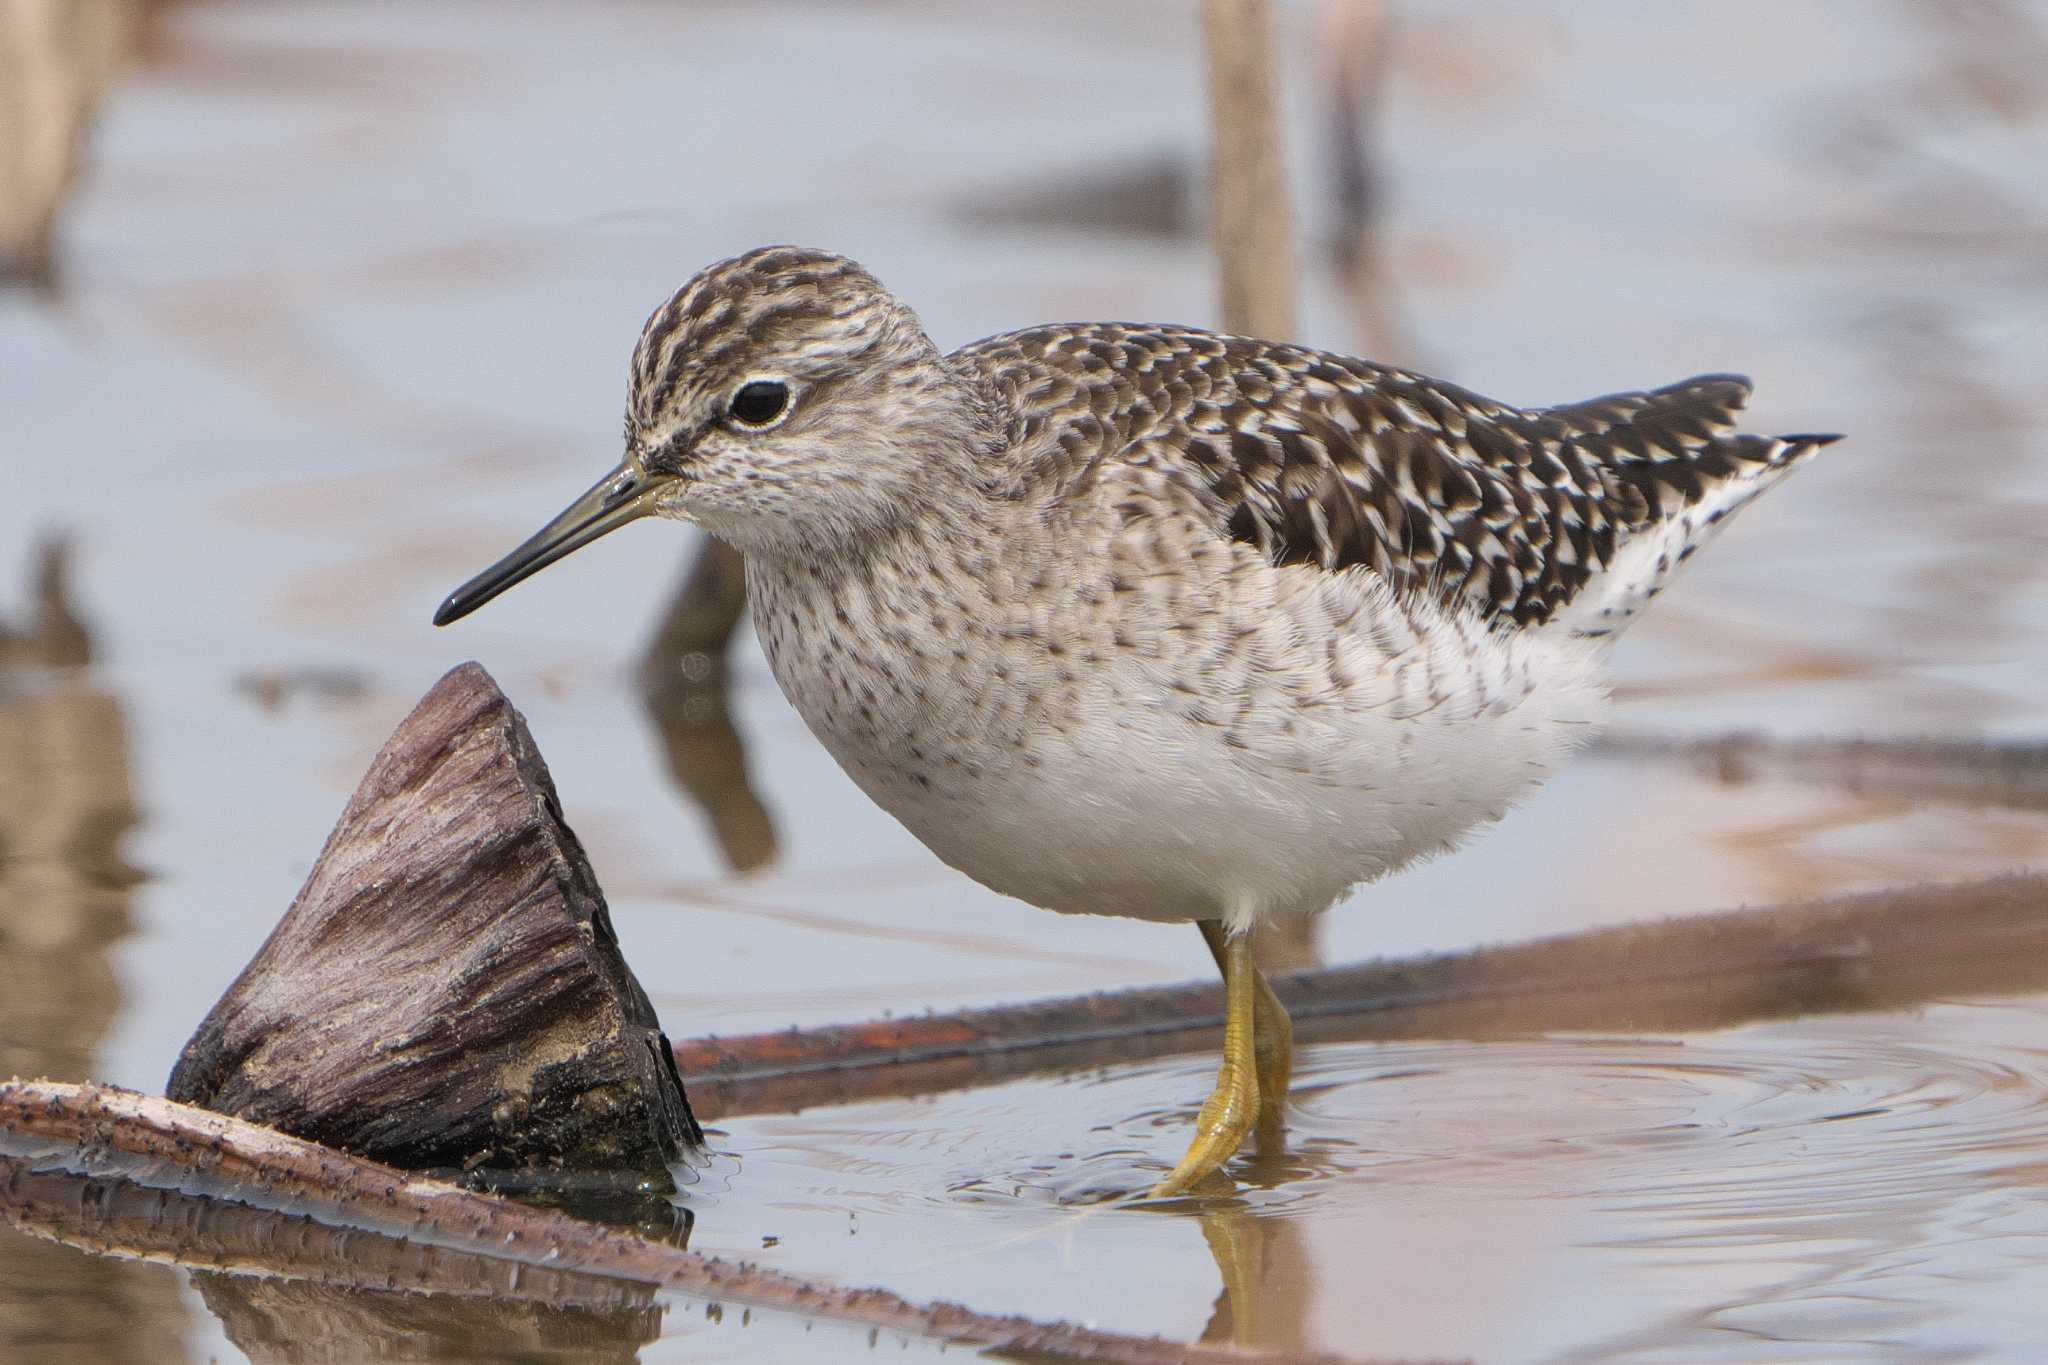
(1793, 1190)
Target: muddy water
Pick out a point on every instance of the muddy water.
(343, 311)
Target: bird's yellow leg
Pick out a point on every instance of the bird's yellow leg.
(1233, 1105)
(1272, 1032)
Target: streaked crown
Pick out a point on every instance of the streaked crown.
(807, 312)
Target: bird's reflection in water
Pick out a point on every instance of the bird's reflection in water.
(1268, 1281)
(1265, 1266)
(684, 684)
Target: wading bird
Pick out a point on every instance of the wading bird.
(1151, 621)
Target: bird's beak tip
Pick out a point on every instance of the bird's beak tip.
(621, 496)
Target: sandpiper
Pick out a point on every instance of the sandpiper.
(1152, 621)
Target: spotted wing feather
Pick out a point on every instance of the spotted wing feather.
(1326, 460)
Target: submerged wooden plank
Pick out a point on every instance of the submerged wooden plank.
(1966, 772)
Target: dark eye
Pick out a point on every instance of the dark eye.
(760, 402)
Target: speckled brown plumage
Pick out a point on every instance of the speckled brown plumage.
(1147, 620)
(1326, 460)
(1314, 458)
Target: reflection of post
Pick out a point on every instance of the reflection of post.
(66, 798)
(683, 683)
(701, 618)
(1254, 251)
(55, 637)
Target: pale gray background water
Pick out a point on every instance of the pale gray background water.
(346, 303)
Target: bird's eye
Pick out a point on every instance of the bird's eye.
(759, 402)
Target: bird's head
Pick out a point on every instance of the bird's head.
(784, 401)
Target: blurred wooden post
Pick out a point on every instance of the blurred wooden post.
(1248, 183)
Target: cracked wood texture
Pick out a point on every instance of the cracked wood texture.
(446, 992)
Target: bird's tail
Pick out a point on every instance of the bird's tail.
(1677, 470)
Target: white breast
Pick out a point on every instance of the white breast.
(1313, 736)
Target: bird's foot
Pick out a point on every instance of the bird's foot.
(1233, 1106)
(1226, 1120)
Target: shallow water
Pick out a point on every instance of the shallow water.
(1730, 1196)
(346, 301)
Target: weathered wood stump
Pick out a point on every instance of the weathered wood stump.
(446, 991)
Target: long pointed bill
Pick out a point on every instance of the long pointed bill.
(626, 494)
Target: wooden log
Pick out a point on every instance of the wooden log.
(104, 1132)
(446, 992)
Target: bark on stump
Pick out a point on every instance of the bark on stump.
(446, 992)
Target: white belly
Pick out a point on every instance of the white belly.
(1162, 791)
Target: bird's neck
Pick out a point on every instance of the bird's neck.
(947, 530)
(878, 642)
